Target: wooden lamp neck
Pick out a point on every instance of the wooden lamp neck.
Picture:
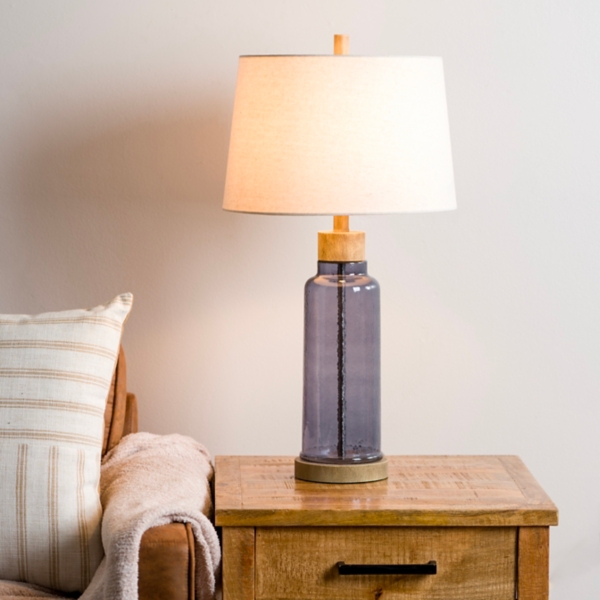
(341, 223)
(341, 244)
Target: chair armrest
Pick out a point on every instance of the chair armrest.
(167, 563)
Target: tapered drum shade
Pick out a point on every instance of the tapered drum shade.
(339, 135)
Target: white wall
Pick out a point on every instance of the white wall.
(114, 124)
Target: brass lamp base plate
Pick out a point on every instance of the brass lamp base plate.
(327, 473)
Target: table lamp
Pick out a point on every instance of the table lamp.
(340, 135)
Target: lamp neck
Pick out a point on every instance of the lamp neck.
(341, 244)
(341, 223)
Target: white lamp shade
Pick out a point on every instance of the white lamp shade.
(339, 135)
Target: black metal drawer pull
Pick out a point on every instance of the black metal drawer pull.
(429, 568)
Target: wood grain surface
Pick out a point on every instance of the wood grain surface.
(300, 562)
(341, 246)
(533, 567)
(420, 490)
(238, 563)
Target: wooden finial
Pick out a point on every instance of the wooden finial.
(341, 44)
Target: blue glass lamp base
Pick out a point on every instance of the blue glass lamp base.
(341, 418)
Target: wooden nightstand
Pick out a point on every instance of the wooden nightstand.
(483, 520)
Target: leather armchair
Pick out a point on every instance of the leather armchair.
(167, 561)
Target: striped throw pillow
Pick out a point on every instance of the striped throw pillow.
(55, 373)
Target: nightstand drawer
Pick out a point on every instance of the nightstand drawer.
(473, 563)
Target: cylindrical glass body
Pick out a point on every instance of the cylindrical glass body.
(342, 390)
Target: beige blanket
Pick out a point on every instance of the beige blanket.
(148, 480)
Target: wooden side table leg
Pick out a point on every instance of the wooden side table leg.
(533, 566)
(238, 563)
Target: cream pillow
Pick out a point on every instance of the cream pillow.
(55, 373)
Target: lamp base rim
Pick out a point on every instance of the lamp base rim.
(328, 473)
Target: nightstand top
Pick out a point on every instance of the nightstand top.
(421, 490)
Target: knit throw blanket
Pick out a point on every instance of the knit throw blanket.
(148, 480)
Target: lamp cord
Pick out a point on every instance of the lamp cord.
(341, 362)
